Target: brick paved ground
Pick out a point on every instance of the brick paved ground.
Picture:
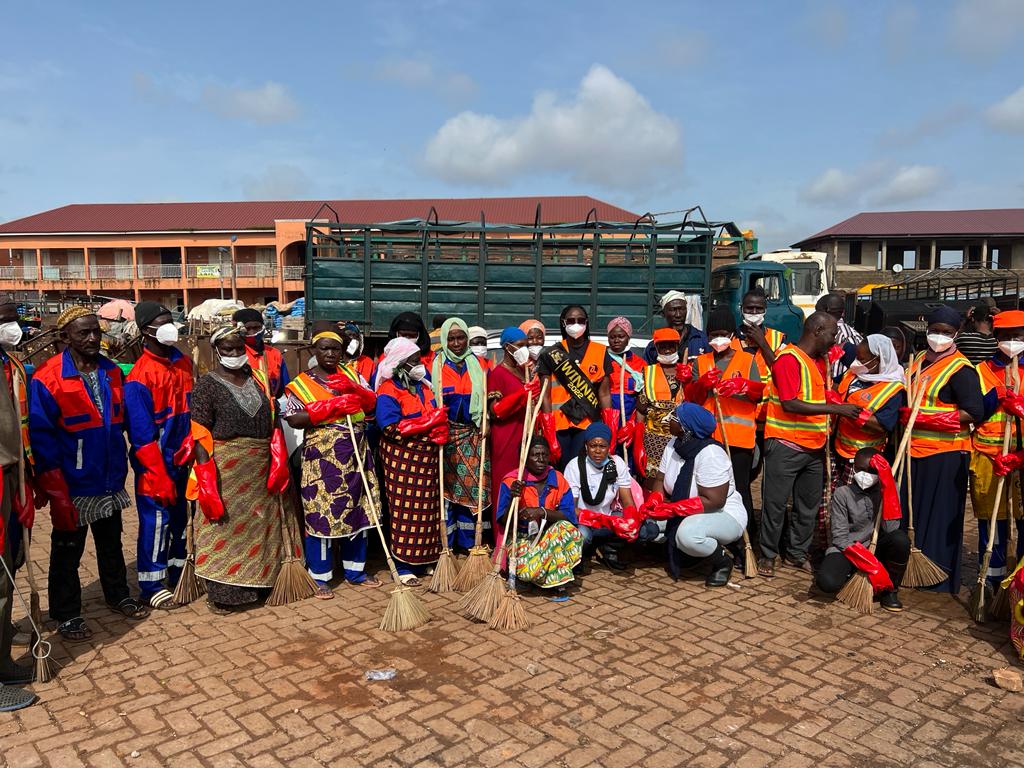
(634, 671)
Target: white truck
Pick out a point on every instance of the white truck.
(808, 276)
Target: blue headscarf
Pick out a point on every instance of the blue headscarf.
(597, 429)
(511, 335)
(696, 419)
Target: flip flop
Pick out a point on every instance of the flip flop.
(323, 592)
(766, 567)
(74, 630)
(164, 601)
(369, 582)
(409, 580)
(132, 609)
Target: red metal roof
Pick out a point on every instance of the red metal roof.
(995, 221)
(163, 217)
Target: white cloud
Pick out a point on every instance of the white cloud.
(983, 29)
(606, 134)
(909, 182)
(1008, 114)
(268, 103)
(927, 126)
(880, 182)
(423, 74)
(833, 186)
(277, 182)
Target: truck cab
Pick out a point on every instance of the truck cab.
(808, 276)
(730, 282)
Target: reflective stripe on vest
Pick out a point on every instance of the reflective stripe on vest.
(739, 415)
(806, 431)
(988, 436)
(308, 390)
(926, 442)
(656, 386)
(850, 436)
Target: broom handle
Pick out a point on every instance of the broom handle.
(1009, 376)
(370, 502)
(904, 447)
(909, 479)
(622, 401)
(440, 492)
(478, 533)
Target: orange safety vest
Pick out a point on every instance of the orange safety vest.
(656, 386)
(775, 339)
(309, 390)
(987, 437)
(806, 431)
(739, 414)
(592, 365)
(850, 436)
(926, 442)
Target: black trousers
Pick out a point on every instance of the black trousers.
(788, 472)
(10, 487)
(66, 548)
(742, 471)
(571, 442)
(893, 551)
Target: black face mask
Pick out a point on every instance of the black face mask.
(255, 343)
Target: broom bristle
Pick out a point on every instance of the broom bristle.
(977, 605)
(445, 573)
(474, 570)
(510, 615)
(749, 563)
(921, 571)
(43, 668)
(857, 593)
(404, 611)
(481, 602)
(190, 587)
(1000, 610)
(293, 583)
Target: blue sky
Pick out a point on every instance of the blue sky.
(784, 116)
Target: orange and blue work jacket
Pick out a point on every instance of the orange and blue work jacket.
(271, 362)
(457, 391)
(69, 433)
(157, 396)
(395, 403)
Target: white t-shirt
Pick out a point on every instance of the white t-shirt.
(572, 477)
(711, 468)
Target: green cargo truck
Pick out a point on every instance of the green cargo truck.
(496, 275)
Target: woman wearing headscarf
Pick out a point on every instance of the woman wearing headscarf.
(412, 427)
(940, 443)
(705, 513)
(510, 386)
(352, 351)
(460, 388)
(662, 392)
(241, 472)
(409, 325)
(322, 401)
(478, 345)
(627, 376)
(579, 392)
(548, 543)
(536, 334)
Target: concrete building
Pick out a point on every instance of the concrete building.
(865, 247)
(185, 253)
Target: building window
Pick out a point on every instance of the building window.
(855, 257)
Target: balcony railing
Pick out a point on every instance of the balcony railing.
(160, 271)
(74, 272)
(256, 270)
(293, 272)
(21, 274)
(111, 271)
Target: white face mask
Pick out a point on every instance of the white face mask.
(939, 342)
(857, 368)
(233, 363)
(353, 347)
(865, 479)
(521, 355)
(720, 343)
(753, 319)
(480, 350)
(418, 372)
(575, 330)
(535, 350)
(670, 359)
(10, 334)
(167, 333)
(1008, 348)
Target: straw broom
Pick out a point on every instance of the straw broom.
(475, 569)
(446, 570)
(1000, 610)
(293, 581)
(510, 615)
(482, 601)
(749, 561)
(40, 648)
(858, 592)
(190, 587)
(978, 611)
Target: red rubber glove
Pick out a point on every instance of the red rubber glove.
(422, 424)
(684, 372)
(943, 421)
(740, 387)
(835, 353)
(439, 434)
(532, 387)
(334, 408)
(593, 519)
(891, 508)
(1013, 404)
(510, 405)
(624, 434)
(610, 417)
(681, 508)
(26, 513)
(833, 398)
(1007, 463)
(866, 562)
(651, 503)
(154, 481)
(279, 476)
(628, 526)
(186, 453)
(208, 495)
(62, 509)
(639, 452)
(547, 429)
(710, 379)
(865, 414)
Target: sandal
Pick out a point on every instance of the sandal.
(217, 610)
(803, 565)
(766, 567)
(131, 608)
(323, 592)
(164, 601)
(369, 582)
(74, 630)
(409, 580)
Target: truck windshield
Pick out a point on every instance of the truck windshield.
(805, 279)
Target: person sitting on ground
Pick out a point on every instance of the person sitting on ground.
(853, 510)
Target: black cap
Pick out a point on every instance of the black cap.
(148, 311)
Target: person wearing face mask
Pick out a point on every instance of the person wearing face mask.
(1001, 406)
(579, 392)
(597, 480)
(692, 340)
(796, 433)
(76, 428)
(242, 475)
(853, 510)
(352, 350)
(460, 388)
(847, 338)
(764, 343)
(510, 385)
(412, 427)
(662, 392)
(156, 405)
(478, 346)
(262, 357)
(409, 325)
(627, 377)
(536, 333)
(940, 443)
(733, 375)
(320, 402)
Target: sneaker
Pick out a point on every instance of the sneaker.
(12, 698)
(890, 601)
(16, 674)
(19, 637)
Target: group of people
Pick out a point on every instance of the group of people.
(660, 445)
